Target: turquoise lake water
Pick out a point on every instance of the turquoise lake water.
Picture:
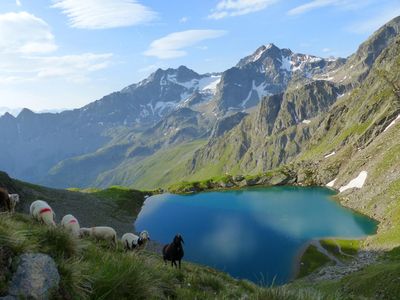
(252, 233)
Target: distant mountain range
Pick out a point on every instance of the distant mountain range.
(178, 124)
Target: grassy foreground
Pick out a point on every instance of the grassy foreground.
(92, 271)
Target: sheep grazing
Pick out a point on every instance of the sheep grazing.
(42, 212)
(174, 251)
(132, 241)
(5, 203)
(14, 200)
(101, 233)
(71, 224)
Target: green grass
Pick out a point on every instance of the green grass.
(127, 199)
(156, 171)
(350, 248)
(311, 260)
(92, 271)
(380, 280)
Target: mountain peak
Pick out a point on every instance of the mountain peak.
(25, 113)
(7, 116)
(259, 55)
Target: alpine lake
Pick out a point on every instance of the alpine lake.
(252, 233)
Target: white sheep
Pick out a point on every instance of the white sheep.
(131, 241)
(14, 200)
(71, 224)
(101, 233)
(42, 212)
(34, 205)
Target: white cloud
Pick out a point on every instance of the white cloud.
(24, 33)
(373, 23)
(315, 4)
(100, 14)
(18, 3)
(74, 68)
(172, 45)
(232, 8)
(325, 50)
(183, 20)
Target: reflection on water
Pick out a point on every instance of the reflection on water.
(252, 233)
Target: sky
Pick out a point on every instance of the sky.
(62, 54)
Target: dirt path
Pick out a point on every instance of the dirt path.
(341, 252)
(325, 252)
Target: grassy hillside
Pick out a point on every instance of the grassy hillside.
(115, 206)
(91, 270)
(159, 170)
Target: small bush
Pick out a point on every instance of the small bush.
(58, 243)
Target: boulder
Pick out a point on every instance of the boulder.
(36, 277)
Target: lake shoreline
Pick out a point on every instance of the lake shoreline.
(206, 200)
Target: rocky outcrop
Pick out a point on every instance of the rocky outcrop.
(36, 277)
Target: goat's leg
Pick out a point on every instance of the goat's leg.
(179, 264)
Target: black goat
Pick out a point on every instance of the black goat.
(5, 203)
(174, 251)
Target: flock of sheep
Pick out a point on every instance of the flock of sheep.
(41, 211)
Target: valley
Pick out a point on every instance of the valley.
(276, 119)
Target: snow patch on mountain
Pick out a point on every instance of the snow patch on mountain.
(286, 63)
(330, 154)
(209, 83)
(392, 123)
(259, 89)
(331, 183)
(357, 182)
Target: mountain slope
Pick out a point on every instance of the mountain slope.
(280, 128)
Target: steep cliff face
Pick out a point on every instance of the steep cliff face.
(358, 65)
(271, 135)
(318, 112)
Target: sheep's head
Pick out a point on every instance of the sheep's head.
(144, 235)
(14, 197)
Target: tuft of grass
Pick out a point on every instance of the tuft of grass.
(57, 242)
(75, 283)
(285, 293)
(120, 276)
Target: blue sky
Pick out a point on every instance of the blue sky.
(67, 53)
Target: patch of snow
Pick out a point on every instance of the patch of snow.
(306, 122)
(392, 123)
(209, 83)
(330, 154)
(351, 67)
(151, 107)
(161, 106)
(286, 63)
(331, 183)
(313, 59)
(357, 182)
(259, 89)
(243, 104)
(258, 55)
(340, 95)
